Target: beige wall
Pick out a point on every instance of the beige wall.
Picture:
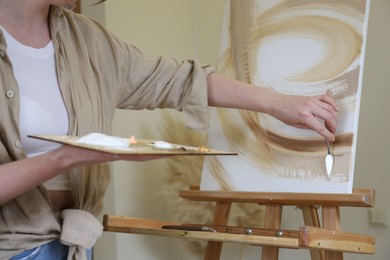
(157, 27)
(190, 28)
(165, 28)
(373, 155)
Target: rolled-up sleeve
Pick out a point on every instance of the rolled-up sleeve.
(165, 82)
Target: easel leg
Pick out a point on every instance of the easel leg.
(273, 219)
(311, 218)
(331, 220)
(221, 217)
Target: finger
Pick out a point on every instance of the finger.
(314, 124)
(328, 118)
(330, 101)
(328, 107)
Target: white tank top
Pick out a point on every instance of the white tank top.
(42, 109)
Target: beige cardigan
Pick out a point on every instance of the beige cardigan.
(97, 73)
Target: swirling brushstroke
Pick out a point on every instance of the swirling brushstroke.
(336, 27)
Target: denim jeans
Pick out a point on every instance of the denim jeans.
(50, 251)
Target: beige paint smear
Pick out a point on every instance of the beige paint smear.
(343, 45)
(341, 42)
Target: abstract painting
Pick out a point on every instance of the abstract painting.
(298, 47)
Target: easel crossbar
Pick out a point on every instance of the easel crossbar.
(326, 243)
(358, 198)
(306, 237)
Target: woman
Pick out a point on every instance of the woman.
(62, 73)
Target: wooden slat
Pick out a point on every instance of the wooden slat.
(153, 227)
(336, 240)
(236, 230)
(221, 217)
(307, 237)
(272, 219)
(311, 218)
(359, 198)
(122, 224)
(331, 221)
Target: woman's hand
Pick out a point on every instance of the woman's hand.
(75, 156)
(317, 113)
(20, 176)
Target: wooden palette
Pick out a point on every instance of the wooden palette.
(142, 147)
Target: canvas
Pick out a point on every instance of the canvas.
(299, 47)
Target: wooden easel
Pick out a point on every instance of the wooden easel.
(325, 243)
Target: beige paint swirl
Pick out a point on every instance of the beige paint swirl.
(336, 26)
